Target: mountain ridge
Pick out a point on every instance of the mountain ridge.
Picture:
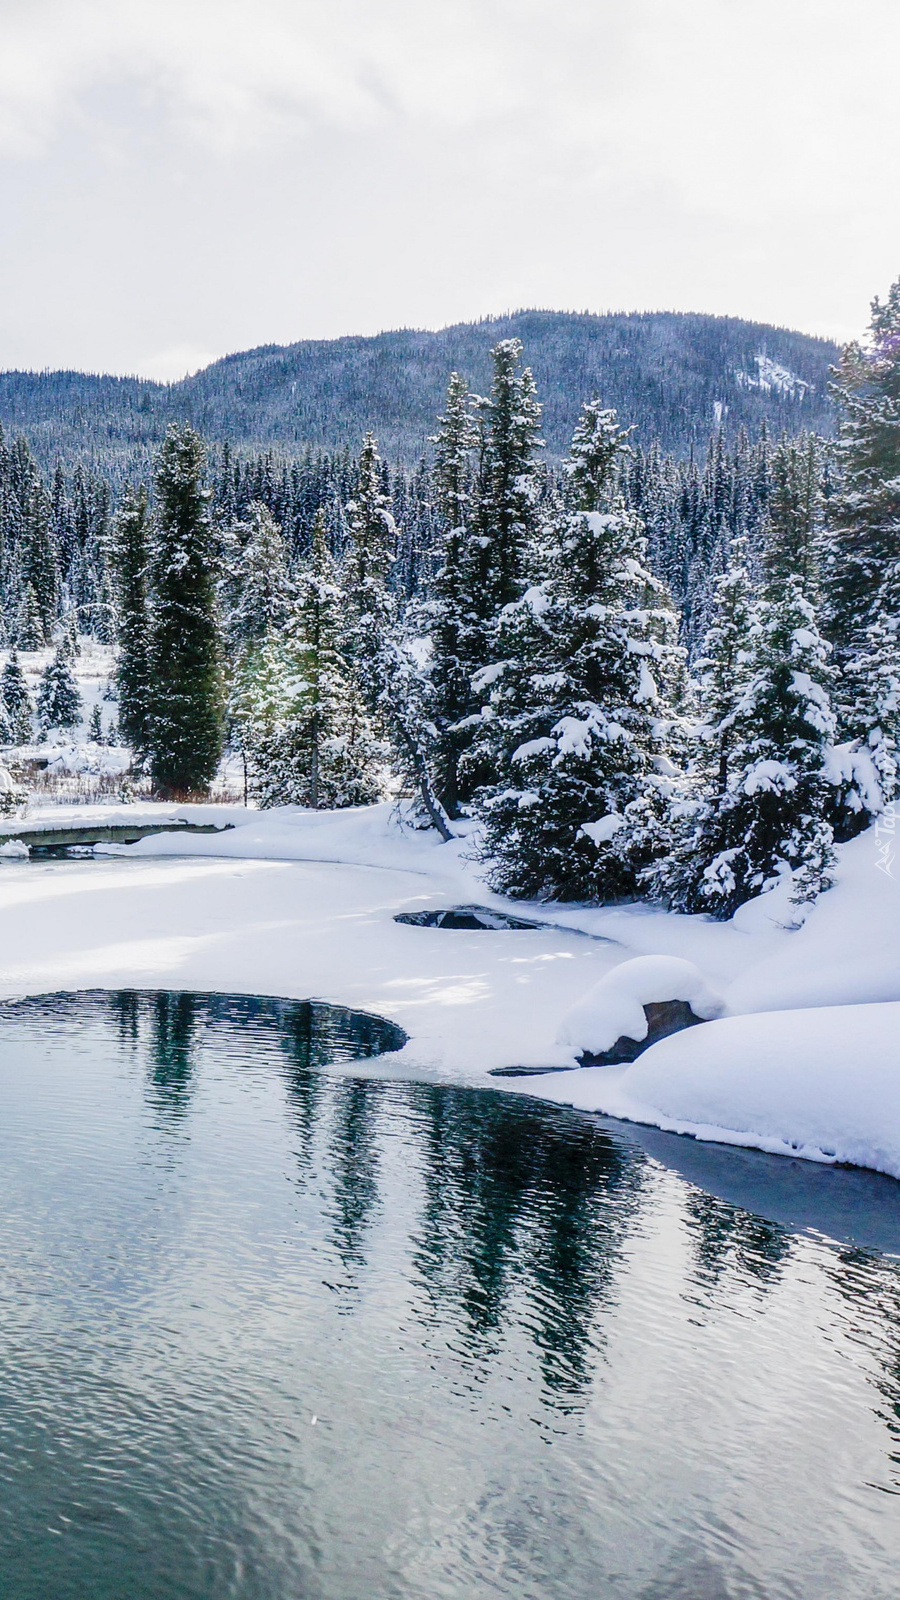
(674, 375)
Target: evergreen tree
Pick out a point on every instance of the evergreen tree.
(864, 513)
(793, 535)
(389, 680)
(29, 629)
(772, 814)
(452, 608)
(309, 739)
(587, 660)
(186, 725)
(16, 699)
(260, 578)
(95, 726)
(58, 703)
(131, 560)
(506, 491)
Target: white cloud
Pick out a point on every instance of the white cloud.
(337, 165)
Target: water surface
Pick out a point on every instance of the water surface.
(269, 1329)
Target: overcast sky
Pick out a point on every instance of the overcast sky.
(181, 178)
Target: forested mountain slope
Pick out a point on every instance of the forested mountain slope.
(674, 375)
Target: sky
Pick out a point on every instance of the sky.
(184, 178)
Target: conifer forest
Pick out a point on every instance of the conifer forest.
(645, 673)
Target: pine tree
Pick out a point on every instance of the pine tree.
(793, 536)
(309, 739)
(504, 513)
(864, 513)
(58, 703)
(95, 726)
(452, 608)
(587, 660)
(29, 628)
(722, 677)
(260, 578)
(131, 560)
(772, 815)
(16, 699)
(186, 726)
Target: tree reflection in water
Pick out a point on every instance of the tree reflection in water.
(515, 1215)
(523, 1221)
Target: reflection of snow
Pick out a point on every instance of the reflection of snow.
(772, 378)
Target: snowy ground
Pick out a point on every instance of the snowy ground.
(806, 1059)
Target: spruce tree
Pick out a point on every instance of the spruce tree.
(16, 699)
(131, 560)
(29, 628)
(260, 578)
(722, 675)
(504, 513)
(773, 814)
(860, 571)
(586, 663)
(186, 724)
(310, 739)
(864, 513)
(452, 609)
(58, 702)
(793, 536)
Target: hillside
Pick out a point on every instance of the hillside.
(672, 374)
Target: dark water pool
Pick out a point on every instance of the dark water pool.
(270, 1330)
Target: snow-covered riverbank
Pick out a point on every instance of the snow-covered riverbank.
(301, 904)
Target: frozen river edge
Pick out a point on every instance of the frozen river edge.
(806, 1061)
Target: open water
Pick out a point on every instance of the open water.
(271, 1329)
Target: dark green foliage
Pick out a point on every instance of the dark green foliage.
(864, 515)
(792, 544)
(186, 706)
(131, 559)
(451, 612)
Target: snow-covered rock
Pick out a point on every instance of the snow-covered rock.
(615, 1007)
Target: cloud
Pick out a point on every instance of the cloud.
(234, 72)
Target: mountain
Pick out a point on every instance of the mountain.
(675, 375)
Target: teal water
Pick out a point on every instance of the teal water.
(269, 1329)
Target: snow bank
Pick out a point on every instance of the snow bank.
(615, 1005)
(848, 950)
(823, 1084)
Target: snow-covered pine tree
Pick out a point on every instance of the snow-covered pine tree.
(578, 697)
(772, 815)
(186, 726)
(792, 537)
(389, 679)
(860, 571)
(39, 566)
(95, 726)
(260, 577)
(864, 512)
(131, 560)
(452, 609)
(16, 699)
(29, 627)
(506, 490)
(310, 740)
(722, 673)
(58, 701)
